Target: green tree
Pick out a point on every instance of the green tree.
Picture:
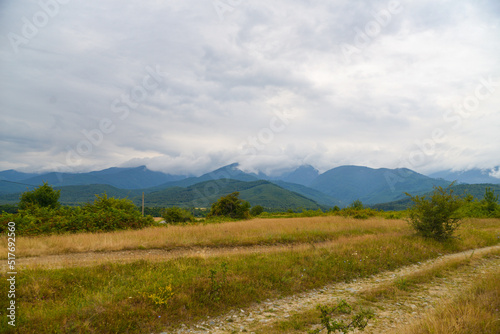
(490, 201)
(256, 210)
(175, 215)
(230, 206)
(436, 217)
(357, 205)
(42, 196)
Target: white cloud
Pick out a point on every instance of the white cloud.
(225, 80)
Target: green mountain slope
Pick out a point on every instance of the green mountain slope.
(317, 196)
(204, 194)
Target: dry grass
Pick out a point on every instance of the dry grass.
(476, 311)
(241, 233)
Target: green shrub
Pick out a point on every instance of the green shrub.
(436, 217)
(176, 215)
(256, 210)
(358, 321)
(104, 214)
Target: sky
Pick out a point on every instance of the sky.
(189, 86)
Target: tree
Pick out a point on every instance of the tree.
(436, 217)
(256, 210)
(175, 215)
(230, 206)
(490, 201)
(357, 205)
(41, 196)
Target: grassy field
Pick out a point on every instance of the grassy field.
(145, 297)
(231, 234)
(477, 310)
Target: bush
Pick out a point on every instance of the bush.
(42, 196)
(104, 214)
(230, 206)
(436, 217)
(256, 210)
(175, 215)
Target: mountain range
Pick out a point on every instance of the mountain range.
(304, 187)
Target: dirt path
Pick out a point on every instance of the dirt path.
(389, 315)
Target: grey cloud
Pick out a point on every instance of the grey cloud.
(225, 80)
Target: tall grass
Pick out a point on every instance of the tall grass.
(475, 311)
(240, 233)
(115, 298)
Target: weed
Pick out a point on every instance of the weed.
(358, 321)
(217, 282)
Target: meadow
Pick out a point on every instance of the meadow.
(154, 296)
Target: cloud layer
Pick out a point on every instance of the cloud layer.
(194, 85)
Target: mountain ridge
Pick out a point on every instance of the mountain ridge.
(338, 186)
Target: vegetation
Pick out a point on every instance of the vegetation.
(475, 311)
(436, 217)
(358, 321)
(175, 215)
(112, 297)
(256, 210)
(43, 196)
(104, 214)
(300, 230)
(230, 206)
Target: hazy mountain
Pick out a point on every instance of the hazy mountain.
(124, 178)
(469, 176)
(316, 195)
(338, 186)
(227, 172)
(303, 175)
(476, 190)
(12, 175)
(371, 186)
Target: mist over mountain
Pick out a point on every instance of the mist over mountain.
(470, 176)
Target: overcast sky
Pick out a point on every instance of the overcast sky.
(189, 86)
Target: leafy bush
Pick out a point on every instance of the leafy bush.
(42, 196)
(230, 206)
(175, 215)
(256, 210)
(436, 217)
(104, 214)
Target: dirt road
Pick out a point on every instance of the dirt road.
(389, 315)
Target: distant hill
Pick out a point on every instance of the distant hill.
(371, 186)
(11, 187)
(75, 195)
(472, 176)
(476, 190)
(338, 186)
(12, 175)
(123, 178)
(203, 194)
(227, 172)
(316, 195)
(303, 175)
